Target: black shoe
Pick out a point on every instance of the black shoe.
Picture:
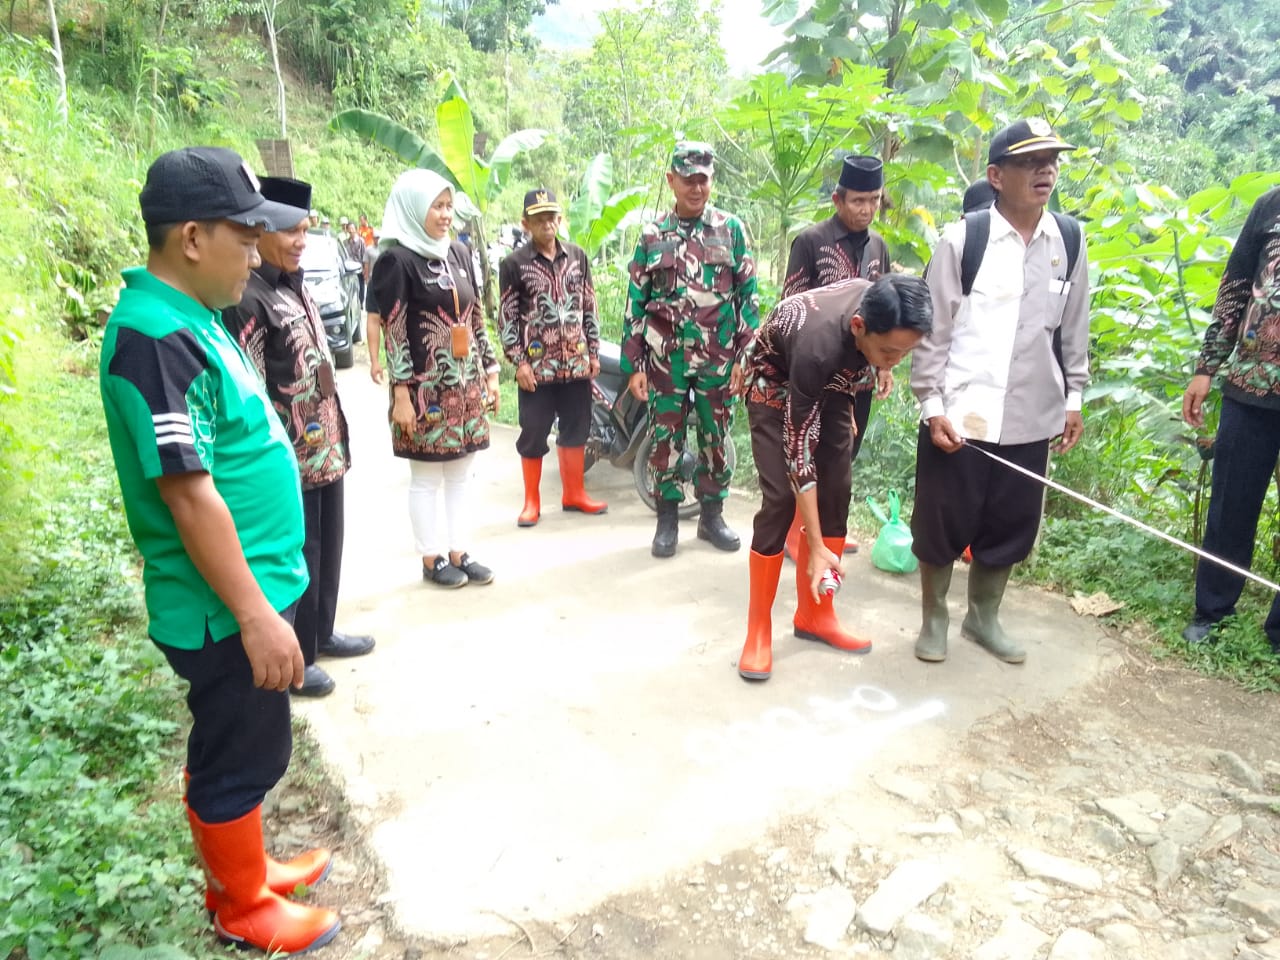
(344, 645)
(668, 532)
(477, 573)
(315, 683)
(711, 527)
(1199, 631)
(444, 574)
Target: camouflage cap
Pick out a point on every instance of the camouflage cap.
(691, 158)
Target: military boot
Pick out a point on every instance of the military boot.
(668, 532)
(982, 622)
(935, 581)
(712, 528)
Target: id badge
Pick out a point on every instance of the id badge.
(324, 373)
(460, 340)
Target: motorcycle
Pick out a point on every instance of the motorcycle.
(620, 433)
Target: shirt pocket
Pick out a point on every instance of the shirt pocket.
(717, 257)
(661, 266)
(1056, 302)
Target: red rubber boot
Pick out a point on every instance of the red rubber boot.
(574, 498)
(531, 467)
(818, 621)
(756, 662)
(248, 912)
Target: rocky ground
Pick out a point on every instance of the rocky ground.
(1139, 820)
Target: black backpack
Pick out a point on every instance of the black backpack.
(977, 228)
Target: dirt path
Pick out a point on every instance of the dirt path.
(521, 770)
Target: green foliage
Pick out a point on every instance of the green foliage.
(494, 24)
(88, 709)
(597, 213)
(653, 73)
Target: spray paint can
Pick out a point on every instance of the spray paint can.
(830, 582)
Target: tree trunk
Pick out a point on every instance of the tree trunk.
(58, 66)
(269, 8)
(155, 81)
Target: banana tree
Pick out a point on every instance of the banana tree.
(477, 180)
(596, 213)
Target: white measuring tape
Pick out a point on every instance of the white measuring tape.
(1053, 485)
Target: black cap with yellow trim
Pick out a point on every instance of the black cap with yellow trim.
(1025, 136)
(541, 200)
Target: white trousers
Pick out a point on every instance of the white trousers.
(431, 536)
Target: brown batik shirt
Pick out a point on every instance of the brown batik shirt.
(829, 252)
(548, 312)
(279, 328)
(805, 356)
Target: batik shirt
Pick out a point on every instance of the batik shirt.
(1243, 339)
(415, 297)
(804, 354)
(829, 252)
(693, 291)
(548, 312)
(278, 326)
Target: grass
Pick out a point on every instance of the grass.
(93, 719)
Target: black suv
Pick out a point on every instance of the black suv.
(334, 284)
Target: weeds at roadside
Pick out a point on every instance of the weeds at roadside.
(94, 848)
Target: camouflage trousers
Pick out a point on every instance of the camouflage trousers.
(673, 393)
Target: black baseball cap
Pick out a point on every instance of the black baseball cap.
(210, 183)
(541, 200)
(1025, 136)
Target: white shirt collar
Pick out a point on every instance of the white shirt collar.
(1000, 227)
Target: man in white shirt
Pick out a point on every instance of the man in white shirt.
(1003, 371)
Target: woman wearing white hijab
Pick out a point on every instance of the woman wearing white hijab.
(442, 367)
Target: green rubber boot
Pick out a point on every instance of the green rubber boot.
(982, 622)
(935, 581)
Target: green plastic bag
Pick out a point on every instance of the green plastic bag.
(892, 550)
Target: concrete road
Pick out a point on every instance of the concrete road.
(578, 728)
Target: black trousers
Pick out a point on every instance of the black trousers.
(964, 500)
(1244, 460)
(570, 401)
(240, 740)
(323, 511)
(834, 460)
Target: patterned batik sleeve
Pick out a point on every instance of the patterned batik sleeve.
(389, 290)
(163, 392)
(509, 321)
(639, 289)
(1234, 292)
(745, 291)
(797, 279)
(484, 343)
(801, 426)
(247, 325)
(590, 320)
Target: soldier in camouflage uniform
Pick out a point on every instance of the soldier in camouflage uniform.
(692, 314)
